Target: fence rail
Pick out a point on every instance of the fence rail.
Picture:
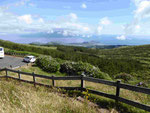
(117, 84)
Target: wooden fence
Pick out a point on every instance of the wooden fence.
(117, 84)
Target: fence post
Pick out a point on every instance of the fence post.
(53, 81)
(6, 73)
(19, 74)
(82, 83)
(33, 78)
(117, 90)
(11, 66)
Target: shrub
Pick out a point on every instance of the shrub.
(78, 68)
(47, 63)
(19, 53)
(126, 77)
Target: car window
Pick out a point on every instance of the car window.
(27, 58)
(1, 49)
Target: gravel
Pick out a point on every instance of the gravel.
(11, 61)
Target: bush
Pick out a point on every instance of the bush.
(78, 68)
(19, 53)
(47, 63)
(124, 76)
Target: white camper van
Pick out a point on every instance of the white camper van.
(1, 52)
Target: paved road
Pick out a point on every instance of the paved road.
(8, 61)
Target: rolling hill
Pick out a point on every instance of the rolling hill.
(132, 61)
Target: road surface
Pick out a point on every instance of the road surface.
(11, 61)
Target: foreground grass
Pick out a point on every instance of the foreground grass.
(103, 102)
(16, 97)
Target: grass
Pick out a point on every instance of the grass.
(38, 70)
(16, 97)
(104, 102)
(46, 47)
(20, 53)
(131, 95)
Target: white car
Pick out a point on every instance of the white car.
(29, 59)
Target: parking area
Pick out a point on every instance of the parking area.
(11, 61)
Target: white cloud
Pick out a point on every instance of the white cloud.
(19, 3)
(27, 23)
(88, 36)
(137, 27)
(140, 14)
(143, 9)
(73, 16)
(26, 18)
(41, 20)
(65, 33)
(11, 23)
(136, 2)
(84, 6)
(86, 29)
(102, 25)
(105, 21)
(99, 29)
(130, 28)
(77, 28)
(122, 37)
(50, 31)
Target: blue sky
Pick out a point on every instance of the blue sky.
(75, 18)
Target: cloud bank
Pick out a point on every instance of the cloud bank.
(122, 37)
(141, 13)
(67, 25)
(70, 24)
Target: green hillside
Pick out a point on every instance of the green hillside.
(130, 63)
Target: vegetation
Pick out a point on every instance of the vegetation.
(130, 64)
(132, 60)
(103, 102)
(48, 64)
(85, 69)
(110, 66)
(24, 98)
(19, 53)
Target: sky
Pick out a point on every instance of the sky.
(79, 20)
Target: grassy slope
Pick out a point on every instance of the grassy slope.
(18, 97)
(136, 52)
(108, 103)
(140, 53)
